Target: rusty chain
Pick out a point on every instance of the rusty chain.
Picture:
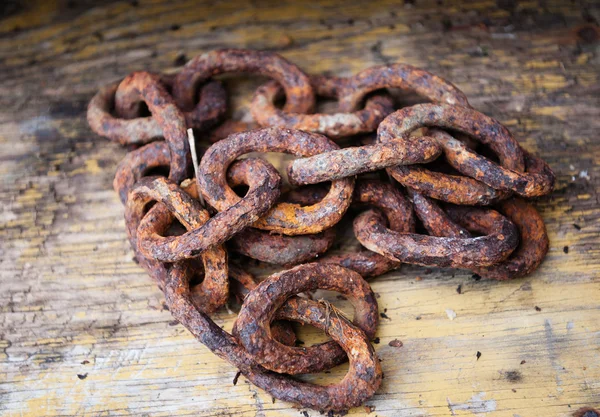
(196, 251)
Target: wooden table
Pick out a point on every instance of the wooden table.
(84, 331)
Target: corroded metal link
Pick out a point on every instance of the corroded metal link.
(501, 240)
(213, 292)
(281, 249)
(533, 245)
(434, 218)
(137, 163)
(359, 384)
(368, 264)
(252, 325)
(533, 242)
(284, 218)
(538, 180)
(446, 187)
(347, 162)
(336, 125)
(464, 120)
(306, 196)
(327, 85)
(242, 282)
(167, 115)
(402, 76)
(123, 131)
(211, 107)
(128, 172)
(399, 215)
(387, 198)
(127, 103)
(300, 97)
(264, 189)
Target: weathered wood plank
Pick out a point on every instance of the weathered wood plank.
(74, 303)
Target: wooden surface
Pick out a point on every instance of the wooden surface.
(83, 330)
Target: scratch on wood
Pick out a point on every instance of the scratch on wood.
(553, 354)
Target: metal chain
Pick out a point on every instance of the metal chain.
(430, 149)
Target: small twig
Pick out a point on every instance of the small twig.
(327, 305)
(192, 142)
(328, 309)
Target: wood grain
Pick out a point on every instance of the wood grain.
(84, 331)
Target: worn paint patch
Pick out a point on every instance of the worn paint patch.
(476, 404)
(451, 314)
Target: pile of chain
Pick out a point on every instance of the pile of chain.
(421, 164)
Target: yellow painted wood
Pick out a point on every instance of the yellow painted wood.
(74, 303)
